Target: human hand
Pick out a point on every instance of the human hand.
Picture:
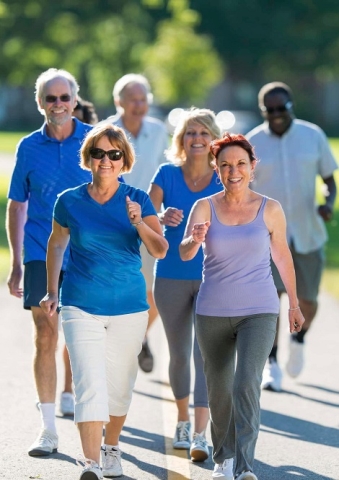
(199, 231)
(296, 319)
(49, 303)
(325, 212)
(13, 282)
(133, 211)
(172, 217)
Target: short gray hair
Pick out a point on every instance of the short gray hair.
(50, 74)
(130, 79)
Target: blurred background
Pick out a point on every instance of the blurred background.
(215, 54)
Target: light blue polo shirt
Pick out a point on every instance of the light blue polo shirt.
(44, 168)
(103, 275)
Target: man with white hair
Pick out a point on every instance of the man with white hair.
(132, 97)
(47, 162)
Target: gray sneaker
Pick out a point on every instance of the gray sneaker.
(199, 448)
(91, 470)
(182, 440)
(111, 462)
(45, 444)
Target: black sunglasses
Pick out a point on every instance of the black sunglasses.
(53, 98)
(279, 109)
(99, 153)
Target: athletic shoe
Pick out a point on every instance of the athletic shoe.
(295, 361)
(45, 444)
(145, 358)
(224, 470)
(199, 448)
(111, 462)
(91, 470)
(67, 404)
(247, 476)
(182, 440)
(271, 376)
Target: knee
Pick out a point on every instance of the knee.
(46, 334)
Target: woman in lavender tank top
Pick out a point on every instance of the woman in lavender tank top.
(237, 305)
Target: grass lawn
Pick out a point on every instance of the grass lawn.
(330, 282)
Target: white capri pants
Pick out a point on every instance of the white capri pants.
(104, 353)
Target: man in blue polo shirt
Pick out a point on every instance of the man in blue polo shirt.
(47, 162)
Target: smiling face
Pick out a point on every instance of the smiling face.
(134, 102)
(58, 112)
(235, 168)
(106, 168)
(278, 111)
(196, 140)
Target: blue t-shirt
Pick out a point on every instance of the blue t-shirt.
(45, 167)
(170, 179)
(103, 274)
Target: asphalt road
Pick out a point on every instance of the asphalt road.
(299, 434)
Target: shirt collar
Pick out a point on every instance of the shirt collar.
(268, 131)
(78, 132)
(144, 131)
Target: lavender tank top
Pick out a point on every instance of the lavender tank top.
(237, 278)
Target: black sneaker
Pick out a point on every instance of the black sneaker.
(145, 358)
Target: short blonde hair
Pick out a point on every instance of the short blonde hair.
(205, 117)
(116, 137)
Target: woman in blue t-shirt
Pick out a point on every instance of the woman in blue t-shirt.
(177, 186)
(103, 297)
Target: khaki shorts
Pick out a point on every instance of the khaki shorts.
(147, 267)
(308, 270)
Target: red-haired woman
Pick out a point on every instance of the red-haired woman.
(238, 305)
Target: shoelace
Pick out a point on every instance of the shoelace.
(44, 437)
(200, 439)
(113, 456)
(183, 432)
(86, 462)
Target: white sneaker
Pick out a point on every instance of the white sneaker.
(182, 437)
(247, 476)
(271, 376)
(67, 404)
(224, 470)
(45, 444)
(111, 462)
(295, 361)
(91, 470)
(199, 448)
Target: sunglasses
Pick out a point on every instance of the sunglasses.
(53, 98)
(279, 109)
(99, 154)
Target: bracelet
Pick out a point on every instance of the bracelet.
(138, 223)
(290, 309)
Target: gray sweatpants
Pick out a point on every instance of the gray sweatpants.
(175, 300)
(234, 351)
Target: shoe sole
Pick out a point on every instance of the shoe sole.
(270, 388)
(181, 447)
(41, 453)
(90, 476)
(198, 456)
(112, 476)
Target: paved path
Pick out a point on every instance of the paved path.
(299, 434)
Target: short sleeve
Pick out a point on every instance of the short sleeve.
(159, 177)
(327, 163)
(60, 211)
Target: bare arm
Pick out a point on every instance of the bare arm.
(171, 216)
(326, 210)
(56, 247)
(149, 230)
(276, 223)
(196, 229)
(15, 223)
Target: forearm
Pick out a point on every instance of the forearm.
(15, 224)
(188, 248)
(55, 255)
(155, 243)
(286, 270)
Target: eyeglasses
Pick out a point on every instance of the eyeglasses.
(53, 98)
(279, 108)
(99, 154)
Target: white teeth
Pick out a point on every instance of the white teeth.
(197, 145)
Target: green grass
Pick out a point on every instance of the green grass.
(9, 140)
(330, 281)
